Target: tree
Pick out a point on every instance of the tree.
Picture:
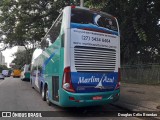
(22, 58)
(26, 20)
(3, 67)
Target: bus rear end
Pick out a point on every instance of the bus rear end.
(92, 73)
(16, 73)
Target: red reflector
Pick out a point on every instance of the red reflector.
(71, 98)
(97, 98)
(117, 94)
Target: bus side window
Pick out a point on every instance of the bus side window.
(55, 30)
(39, 70)
(52, 34)
(39, 64)
(22, 68)
(44, 44)
(48, 40)
(62, 40)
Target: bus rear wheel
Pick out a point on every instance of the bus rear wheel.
(32, 83)
(47, 97)
(43, 94)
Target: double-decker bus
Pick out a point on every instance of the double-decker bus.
(25, 74)
(78, 61)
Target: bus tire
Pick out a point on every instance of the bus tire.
(43, 93)
(32, 84)
(47, 97)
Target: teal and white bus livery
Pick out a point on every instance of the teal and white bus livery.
(78, 61)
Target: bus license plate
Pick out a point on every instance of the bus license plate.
(97, 98)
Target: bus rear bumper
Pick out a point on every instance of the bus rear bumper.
(88, 99)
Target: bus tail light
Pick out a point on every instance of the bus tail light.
(119, 78)
(67, 84)
(73, 6)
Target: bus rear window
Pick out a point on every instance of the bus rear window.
(101, 20)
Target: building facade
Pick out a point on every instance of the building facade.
(2, 59)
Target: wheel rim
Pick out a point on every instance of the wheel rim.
(42, 93)
(47, 98)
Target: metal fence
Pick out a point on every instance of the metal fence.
(141, 74)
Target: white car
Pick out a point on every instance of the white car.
(6, 73)
(1, 76)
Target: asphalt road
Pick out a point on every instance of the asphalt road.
(17, 95)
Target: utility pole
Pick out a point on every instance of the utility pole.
(82, 3)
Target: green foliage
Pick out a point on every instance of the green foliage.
(24, 21)
(3, 67)
(98, 4)
(22, 58)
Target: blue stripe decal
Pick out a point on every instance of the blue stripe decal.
(83, 26)
(46, 62)
(41, 78)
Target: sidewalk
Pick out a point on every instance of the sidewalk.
(137, 97)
